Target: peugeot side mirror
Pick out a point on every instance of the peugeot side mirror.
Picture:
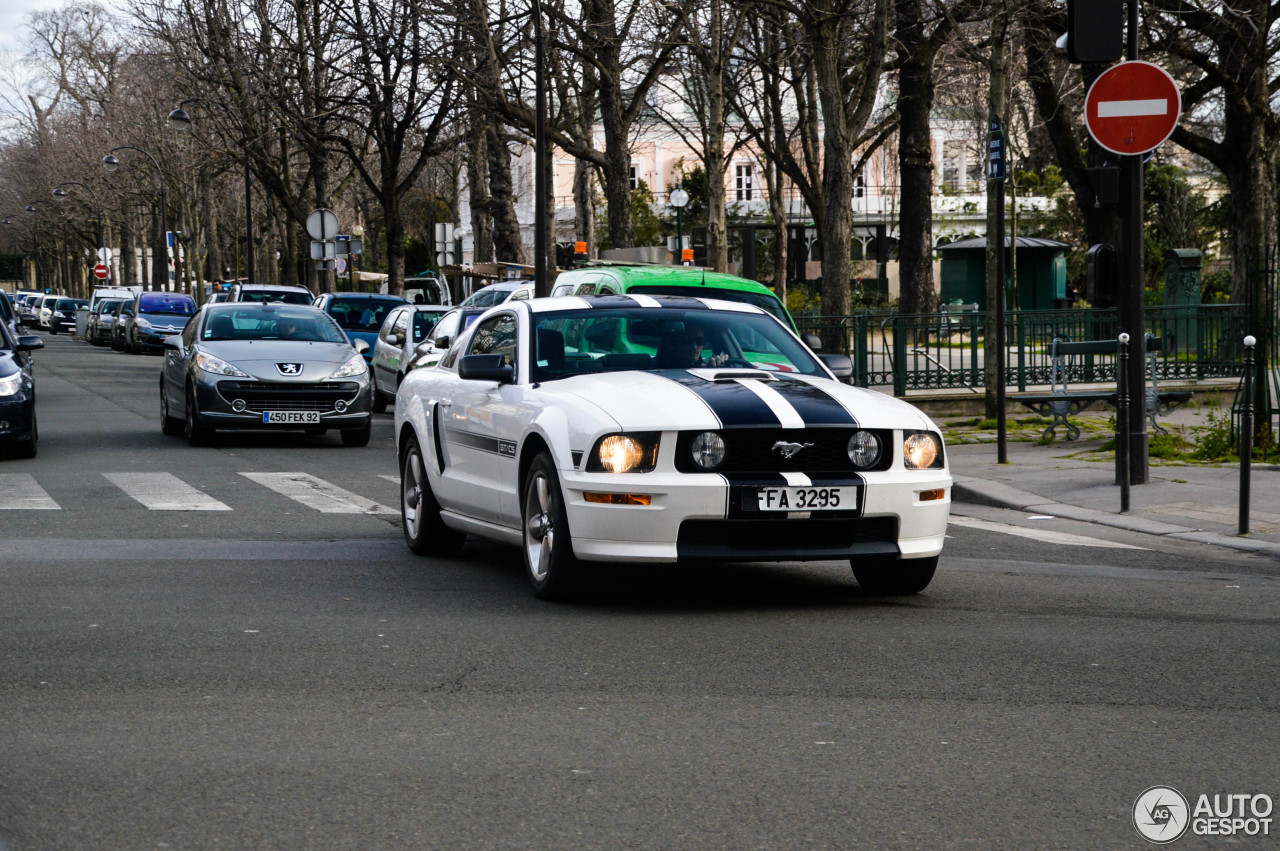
(28, 342)
(361, 346)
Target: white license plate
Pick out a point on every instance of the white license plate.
(807, 499)
(291, 417)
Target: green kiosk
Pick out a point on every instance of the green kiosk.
(1042, 273)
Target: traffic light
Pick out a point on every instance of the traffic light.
(1095, 30)
(1102, 275)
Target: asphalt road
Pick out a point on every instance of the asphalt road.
(274, 675)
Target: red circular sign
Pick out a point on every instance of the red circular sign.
(101, 272)
(1132, 108)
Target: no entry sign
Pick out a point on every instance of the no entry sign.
(1132, 108)
(101, 272)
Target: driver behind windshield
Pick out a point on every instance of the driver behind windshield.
(681, 348)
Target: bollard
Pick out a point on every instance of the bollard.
(1246, 434)
(1122, 421)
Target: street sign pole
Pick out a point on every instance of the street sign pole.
(996, 170)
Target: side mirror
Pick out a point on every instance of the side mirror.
(173, 343)
(813, 341)
(841, 366)
(393, 339)
(486, 368)
(442, 342)
(28, 342)
(361, 346)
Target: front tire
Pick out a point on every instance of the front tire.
(357, 436)
(424, 531)
(196, 434)
(548, 545)
(379, 402)
(894, 576)
(169, 424)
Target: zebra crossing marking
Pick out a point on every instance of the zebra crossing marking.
(20, 491)
(164, 492)
(316, 493)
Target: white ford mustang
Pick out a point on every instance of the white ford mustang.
(652, 429)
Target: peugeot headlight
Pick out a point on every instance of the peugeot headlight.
(863, 449)
(141, 323)
(11, 384)
(355, 365)
(57, 314)
(624, 453)
(708, 450)
(919, 450)
(217, 366)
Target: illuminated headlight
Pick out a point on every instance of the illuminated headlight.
(863, 449)
(355, 365)
(919, 450)
(11, 384)
(624, 453)
(58, 315)
(708, 450)
(141, 323)
(217, 366)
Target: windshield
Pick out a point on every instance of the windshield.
(71, 304)
(423, 322)
(362, 314)
(768, 303)
(275, 296)
(487, 297)
(615, 340)
(107, 306)
(270, 322)
(177, 305)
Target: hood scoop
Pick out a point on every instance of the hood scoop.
(722, 375)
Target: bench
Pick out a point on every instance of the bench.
(1060, 403)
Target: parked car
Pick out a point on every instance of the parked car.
(63, 317)
(675, 429)
(156, 316)
(18, 429)
(44, 313)
(359, 314)
(429, 351)
(401, 332)
(102, 320)
(427, 289)
(112, 293)
(498, 293)
(643, 279)
(123, 316)
(264, 366)
(10, 314)
(269, 292)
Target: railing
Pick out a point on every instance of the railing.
(941, 351)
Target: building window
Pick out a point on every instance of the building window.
(742, 181)
(635, 177)
(859, 187)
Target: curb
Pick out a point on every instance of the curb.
(974, 491)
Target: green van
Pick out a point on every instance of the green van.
(673, 280)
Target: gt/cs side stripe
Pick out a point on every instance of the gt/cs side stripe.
(482, 443)
(729, 401)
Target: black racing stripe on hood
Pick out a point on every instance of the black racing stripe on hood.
(734, 404)
(814, 404)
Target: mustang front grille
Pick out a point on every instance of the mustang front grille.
(261, 396)
(751, 450)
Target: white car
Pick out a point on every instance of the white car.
(663, 429)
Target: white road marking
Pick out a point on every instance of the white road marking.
(1045, 535)
(395, 479)
(20, 491)
(1132, 108)
(164, 492)
(318, 494)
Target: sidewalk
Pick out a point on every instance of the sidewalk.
(1190, 501)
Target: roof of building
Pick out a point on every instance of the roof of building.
(1023, 242)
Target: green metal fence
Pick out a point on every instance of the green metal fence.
(939, 351)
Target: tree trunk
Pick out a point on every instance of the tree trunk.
(584, 205)
(915, 102)
(478, 189)
(128, 275)
(837, 181)
(395, 242)
(713, 159)
(508, 246)
(997, 69)
(778, 209)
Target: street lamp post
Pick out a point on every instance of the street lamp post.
(542, 159)
(179, 119)
(679, 198)
(110, 163)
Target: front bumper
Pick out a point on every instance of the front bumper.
(16, 414)
(154, 337)
(692, 517)
(239, 403)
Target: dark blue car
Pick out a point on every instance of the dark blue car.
(360, 315)
(156, 316)
(18, 431)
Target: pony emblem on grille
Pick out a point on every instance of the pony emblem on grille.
(788, 449)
